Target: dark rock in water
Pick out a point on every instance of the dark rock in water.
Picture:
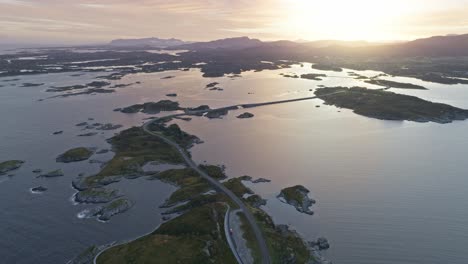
(259, 180)
(102, 151)
(321, 244)
(122, 85)
(32, 84)
(65, 88)
(168, 77)
(37, 171)
(117, 110)
(219, 113)
(200, 108)
(245, 115)
(213, 84)
(52, 174)
(109, 126)
(76, 154)
(82, 124)
(98, 84)
(166, 218)
(10, 165)
(131, 109)
(297, 196)
(58, 132)
(183, 118)
(216, 89)
(97, 195)
(38, 189)
(90, 119)
(90, 134)
(171, 95)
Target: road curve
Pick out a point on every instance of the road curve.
(220, 187)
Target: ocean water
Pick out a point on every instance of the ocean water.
(386, 191)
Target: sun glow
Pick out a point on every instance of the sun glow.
(344, 19)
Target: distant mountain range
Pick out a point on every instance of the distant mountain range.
(450, 45)
(147, 42)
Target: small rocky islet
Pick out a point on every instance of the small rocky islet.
(75, 155)
(38, 189)
(298, 197)
(52, 174)
(245, 115)
(10, 165)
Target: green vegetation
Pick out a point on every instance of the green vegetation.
(197, 235)
(216, 172)
(52, 174)
(174, 133)
(285, 246)
(294, 193)
(194, 237)
(190, 184)
(75, 154)
(133, 148)
(97, 195)
(394, 84)
(10, 165)
(390, 106)
(237, 187)
(152, 107)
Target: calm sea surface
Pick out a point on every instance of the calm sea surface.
(387, 192)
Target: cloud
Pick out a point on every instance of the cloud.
(102, 20)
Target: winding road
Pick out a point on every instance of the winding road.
(266, 259)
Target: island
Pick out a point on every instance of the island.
(393, 84)
(10, 165)
(297, 196)
(313, 76)
(75, 154)
(326, 67)
(152, 107)
(197, 234)
(52, 174)
(387, 105)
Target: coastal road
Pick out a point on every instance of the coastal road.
(220, 187)
(266, 259)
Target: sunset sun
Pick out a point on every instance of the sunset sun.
(350, 20)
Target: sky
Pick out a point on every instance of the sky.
(87, 21)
